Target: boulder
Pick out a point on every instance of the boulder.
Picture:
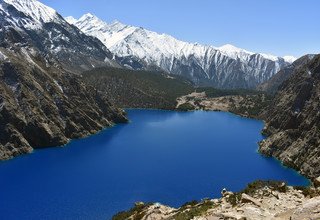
(316, 182)
(246, 198)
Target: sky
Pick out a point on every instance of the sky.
(278, 27)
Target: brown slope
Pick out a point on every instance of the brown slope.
(293, 121)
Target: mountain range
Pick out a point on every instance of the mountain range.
(87, 43)
(221, 67)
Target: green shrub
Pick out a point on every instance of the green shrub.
(186, 107)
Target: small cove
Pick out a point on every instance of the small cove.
(160, 156)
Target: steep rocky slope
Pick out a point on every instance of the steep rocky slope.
(293, 121)
(42, 102)
(272, 85)
(221, 67)
(44, 106)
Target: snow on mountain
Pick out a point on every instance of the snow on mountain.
(70, 19)
(3, 57)
(226, 66)
(289, 59)
(235, 52)
(34, 9)
(111, 34)
(31, 24)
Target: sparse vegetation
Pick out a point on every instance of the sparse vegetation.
(308, 191)
(253, 187)
(186, 107)
(252, 105)
(138, 89)
(192, 209)
(136, 213)
(213, 92)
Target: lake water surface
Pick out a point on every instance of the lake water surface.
(161, 156)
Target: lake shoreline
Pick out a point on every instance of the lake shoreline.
(173, 110)
(311, 180)
(191, 147)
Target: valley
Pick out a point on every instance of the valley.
(97, 116)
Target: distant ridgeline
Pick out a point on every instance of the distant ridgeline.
(226, 67)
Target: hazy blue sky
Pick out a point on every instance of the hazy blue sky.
(279, 27)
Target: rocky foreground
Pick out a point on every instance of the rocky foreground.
(260, 200)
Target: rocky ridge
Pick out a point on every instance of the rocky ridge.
(273, 84)
(293, 121)
(221, 67)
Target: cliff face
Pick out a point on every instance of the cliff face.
(42, 105)
(293, 121)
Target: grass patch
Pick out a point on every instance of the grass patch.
(192, 209)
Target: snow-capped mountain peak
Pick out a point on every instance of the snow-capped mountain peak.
(70, 19)
(116, 32)
(235, 52)
(89, 22)
(34, 9)
(88, 16)
(52, 36)
(289, 59)
(228, 48)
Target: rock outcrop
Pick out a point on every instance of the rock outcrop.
(262, 202)
(43, 106)
(293, 121)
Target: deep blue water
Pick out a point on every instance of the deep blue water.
(161, 156)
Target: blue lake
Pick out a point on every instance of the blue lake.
(160, 156)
